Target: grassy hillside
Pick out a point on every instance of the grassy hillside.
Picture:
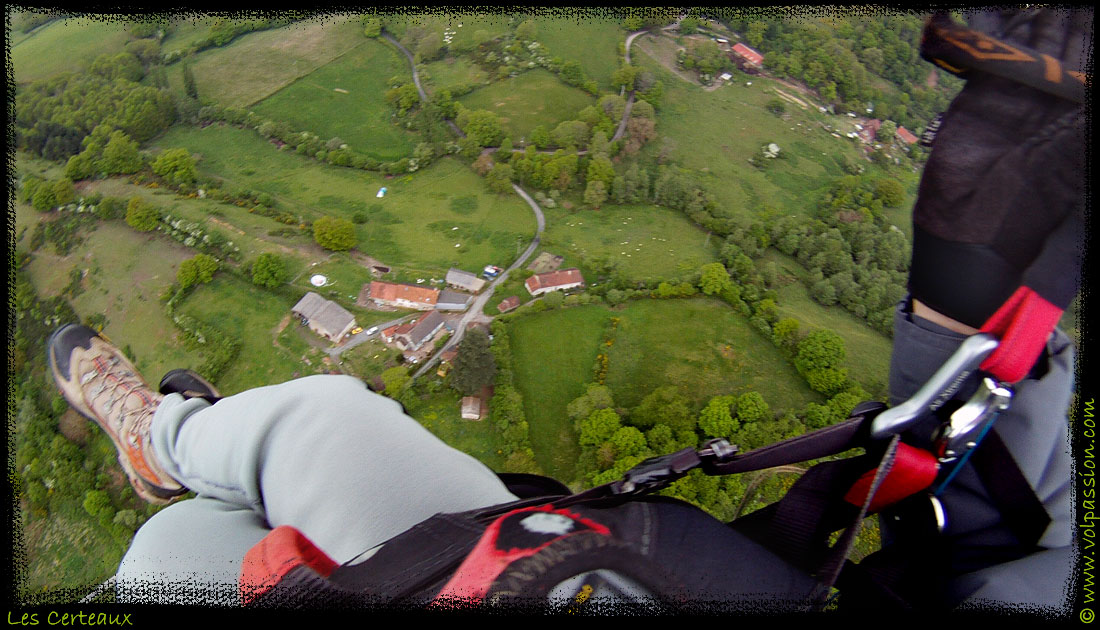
(593, 42)
(68, 45)
(346, 98)
(125, 275)
(645, 242)
(702, 347)
(554, 353)
(533, 98)
(715, 132)
(868, 351)
(256, 65)
(412, 227)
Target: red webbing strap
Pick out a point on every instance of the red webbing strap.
(913, 470)
(1023, 324)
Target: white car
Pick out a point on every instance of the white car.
(372, 330)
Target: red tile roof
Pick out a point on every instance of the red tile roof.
(905, 135)
(389, 292)
(749, 54)
(554, 279)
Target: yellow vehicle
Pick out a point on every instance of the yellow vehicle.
(356, 330)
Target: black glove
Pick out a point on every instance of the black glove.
(1000, 210)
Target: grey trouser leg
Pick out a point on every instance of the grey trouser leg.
(324, 454)
(1035, 431)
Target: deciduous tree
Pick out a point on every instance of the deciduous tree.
(269, 270)
(334, 233)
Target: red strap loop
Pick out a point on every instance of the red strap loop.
(914, 470)
(1023, 324)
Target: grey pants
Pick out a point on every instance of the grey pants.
(1035, 431)
(324, 454)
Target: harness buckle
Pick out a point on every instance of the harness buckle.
(657, 472)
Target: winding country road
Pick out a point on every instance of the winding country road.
(476, 311)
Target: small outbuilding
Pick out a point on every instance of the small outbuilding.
(471, 408)
(453, 301)
(464, 280)
(508, 304)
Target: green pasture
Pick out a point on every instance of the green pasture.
(592, 41)
(705, 349)
(127, 273)
(252, 316)
(868, 351)
(449, 72)
(256, 65)
(533, 98)
(645, 242)
(346, 98)
(69, 45)
(411, 229)
(554, 353)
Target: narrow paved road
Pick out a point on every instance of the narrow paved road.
(476, 311)
(362, 337)
(630, 98)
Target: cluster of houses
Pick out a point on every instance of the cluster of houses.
(333, 322)
(868, 132)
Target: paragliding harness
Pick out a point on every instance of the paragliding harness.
(553, 547)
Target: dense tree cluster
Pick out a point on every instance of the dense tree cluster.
(54, 115)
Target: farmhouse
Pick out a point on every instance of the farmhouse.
(324, 317)
(453, 301)
(403, 295)
(420, 332)
(508, 304)
(870, 130)
(747, 59)
(906, 136)
(562, 280)
(464, 280)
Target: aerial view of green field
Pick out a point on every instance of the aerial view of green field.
(715, 254)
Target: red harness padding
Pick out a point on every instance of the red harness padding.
(515, 535)
(914, 470)
(271, 559)
(1023, 324)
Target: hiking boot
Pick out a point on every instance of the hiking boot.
(100, 383)
(189, 384)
